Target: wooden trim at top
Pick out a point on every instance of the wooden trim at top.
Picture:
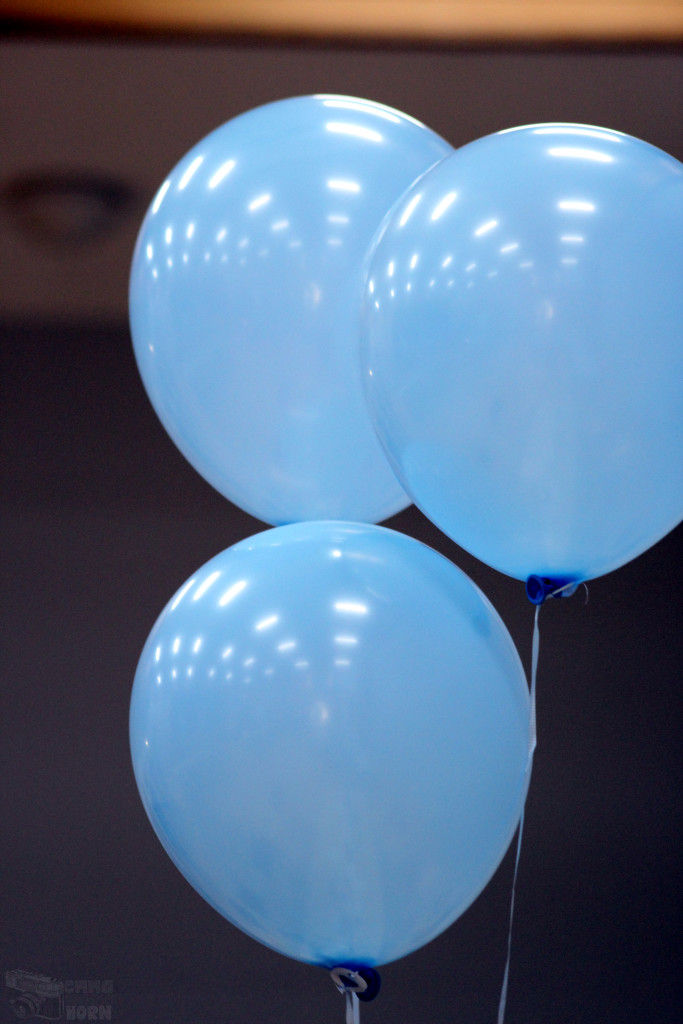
(511, 21)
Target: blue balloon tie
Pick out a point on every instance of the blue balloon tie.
(532, 747)
(538, 588)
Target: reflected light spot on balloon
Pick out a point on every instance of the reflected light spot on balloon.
(509, 248)
(221, 234)
(361, 108)
(279, 225)
(227, 652)
(443, 205)
(351, 607)
(157, 654)
(342, 662)
(390, 269)
(413, 260)
(197, 644)
(484, 228)
(447, 262)
(336, 553)
(168, 235)
(314, 293)
(470, 267)
(405, 216)
(150, 252)
(569, 260)
(576, 153)
(260, 201)
(363, 556)
(301, 664)
(248, 662)
(526, 264)
(343, 185)
(203, 587)
(577, 205)
(267, 622)
(346, 639)
(232, 592)
(221, 173)
(360, 131)
(337, 218)
(160, 195)
(323, 712)
(176, 645)
(190, 172)
(565, 130)
(286, 645)
(334, 241)
(572, 238)
(181, 593)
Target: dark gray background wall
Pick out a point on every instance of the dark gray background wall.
(102, 519)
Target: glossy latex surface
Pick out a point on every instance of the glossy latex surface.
(244, 299)
(524, 352)
(329, 728)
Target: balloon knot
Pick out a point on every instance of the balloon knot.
(538, 588)
(365, 983)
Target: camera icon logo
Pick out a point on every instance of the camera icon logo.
(35, 995)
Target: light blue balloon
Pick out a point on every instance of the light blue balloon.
(244, 303)
(330, 733)
(523, 347)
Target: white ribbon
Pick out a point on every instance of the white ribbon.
(535, 645)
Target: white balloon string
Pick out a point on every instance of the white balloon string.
(535, 645)
(532, 746)
(352, 1007)
(504, 991)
